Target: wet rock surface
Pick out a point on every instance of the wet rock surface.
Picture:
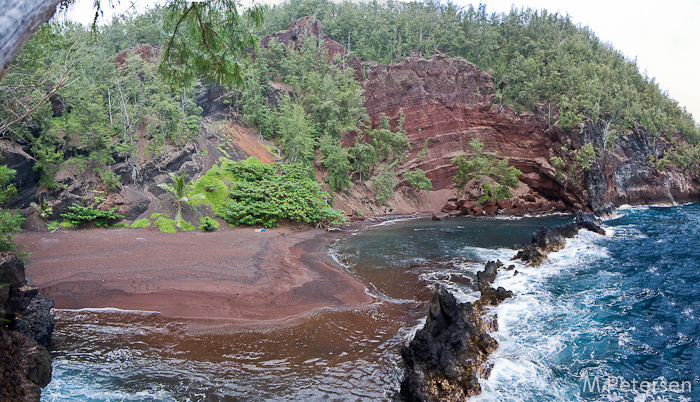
(547, 240)
(446, 358)
(25, 366)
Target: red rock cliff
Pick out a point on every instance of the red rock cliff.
(450, 101)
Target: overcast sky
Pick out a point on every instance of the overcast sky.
(663, 38)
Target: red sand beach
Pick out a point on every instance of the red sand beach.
(238, 274)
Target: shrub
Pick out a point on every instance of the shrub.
(166, 225)
(207, 224)
(418, 180)
(266, 194)
(81, 215)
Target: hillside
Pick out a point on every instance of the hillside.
(383, 135)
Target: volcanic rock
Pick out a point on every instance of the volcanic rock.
(547, 240)
(445, 356)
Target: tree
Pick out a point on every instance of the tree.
(485, 169)
(181, 191)
(10, 222)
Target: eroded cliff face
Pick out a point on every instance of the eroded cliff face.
(449, 101)
(446, 102)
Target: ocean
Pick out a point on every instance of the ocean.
(608, 318)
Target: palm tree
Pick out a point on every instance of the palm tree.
(180, 191)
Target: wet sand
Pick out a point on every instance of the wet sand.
(238, 275)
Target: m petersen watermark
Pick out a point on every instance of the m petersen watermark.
(596, 385)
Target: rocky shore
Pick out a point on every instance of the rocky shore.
(25, 364)
(446, 358)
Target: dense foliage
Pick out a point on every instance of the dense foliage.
(539, 60)
(252, 193)
(320, 104)
(81, 215)
(10, 221)
(490, 176)
(114, 97)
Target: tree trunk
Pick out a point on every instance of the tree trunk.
(18, 22)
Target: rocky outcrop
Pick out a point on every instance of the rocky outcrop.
(306, 27)
(446, 358)
(547, 240)
(25, 366)
(36, 321)
(448, 101)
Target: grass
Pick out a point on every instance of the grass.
(141, 223)
(215, 186)
(166, 225)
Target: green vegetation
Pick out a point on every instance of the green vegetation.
(166, 225)
(251, 193)
(10, 222)
(384, 182)
(418, 180)
(208, 224)
(81, 215)
(43, 209)
(584, 156)
(492, 177)
(182, 193)
(558, 164)
(267, 194)
(540, 61)
(141, 223)
(323, 106)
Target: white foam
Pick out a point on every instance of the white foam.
(525, 335)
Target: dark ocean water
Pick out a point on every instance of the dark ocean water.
(624, 307)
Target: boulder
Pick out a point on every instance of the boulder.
(440, 216)
(490, 209)
(25, 366)
(485, 278)
(589, 222)
(36, 321)
(505, 203)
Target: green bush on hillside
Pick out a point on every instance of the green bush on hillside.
(81, 215)
(267, 194)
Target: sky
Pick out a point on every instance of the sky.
(664, 39)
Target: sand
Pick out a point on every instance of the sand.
(240, 275)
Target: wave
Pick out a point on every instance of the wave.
(536, 324)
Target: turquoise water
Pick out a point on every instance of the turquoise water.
(623, 307)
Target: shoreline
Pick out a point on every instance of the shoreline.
(237, 276)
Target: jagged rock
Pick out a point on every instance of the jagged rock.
(36, 321)
(494, 297)
(26, 178)
(444, 358)
(25, 366)
(547, 240)
(485, 278)
(589, 222)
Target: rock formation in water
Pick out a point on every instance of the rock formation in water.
(447, 356)
(25, 365)
(547, 240)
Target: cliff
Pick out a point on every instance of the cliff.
(449, 101)
(446, 102)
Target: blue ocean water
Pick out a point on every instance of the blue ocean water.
(620, 309)
(623, 309)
